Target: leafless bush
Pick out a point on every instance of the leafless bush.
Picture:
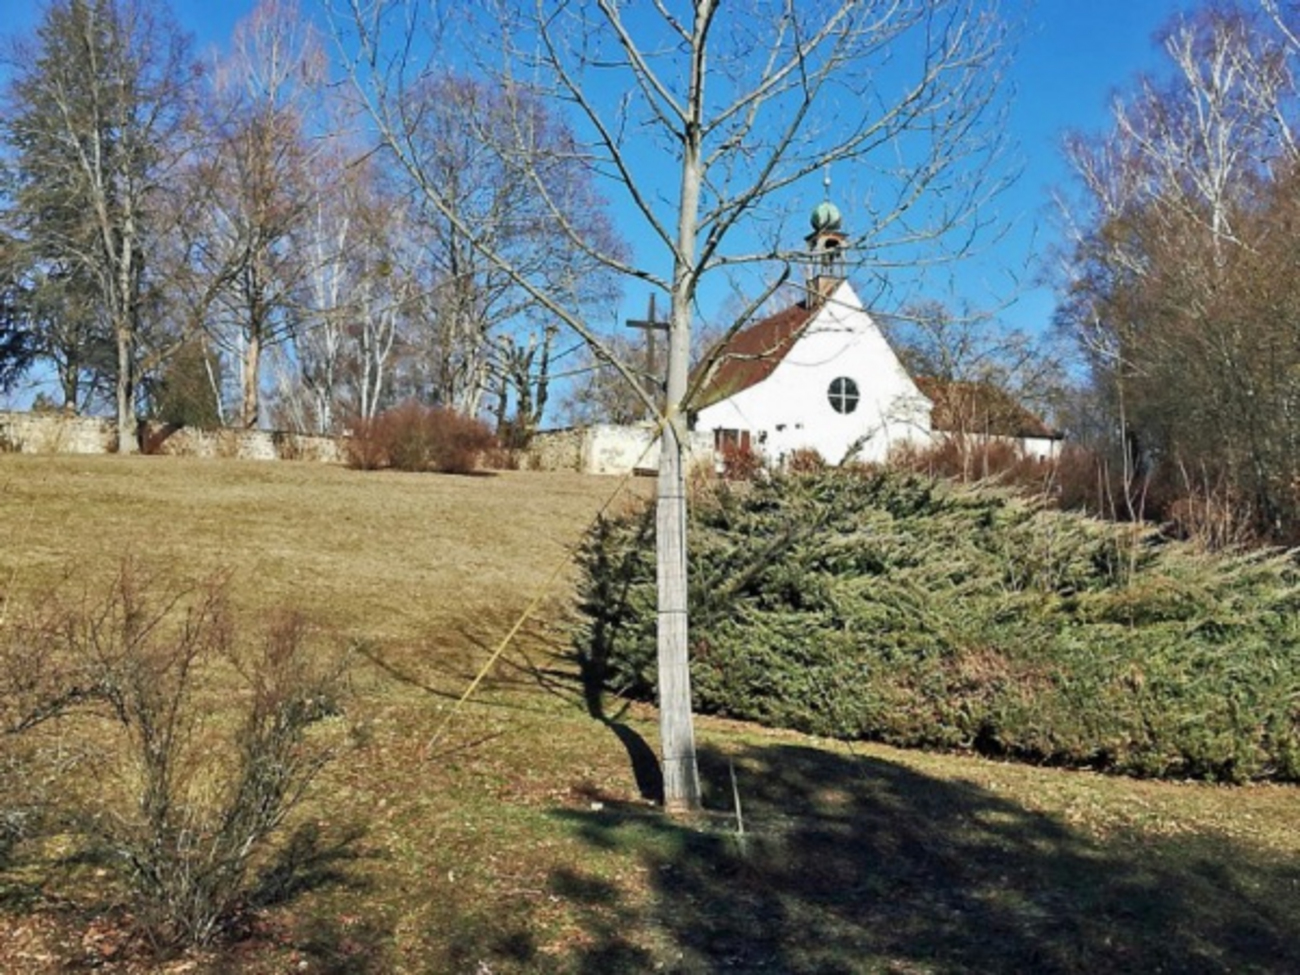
(37, 686)
(972, 459)
(1210, 513)
(805, 460)
(190, 779)
(501, 458)
(740, 462)
(1202, 505)
(414, 437)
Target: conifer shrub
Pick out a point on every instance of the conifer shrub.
(415, 437)
(889, 606)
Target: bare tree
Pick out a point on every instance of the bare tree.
(1174, 286)
(524, 377)
(386, 302)
(359, 292)
(485, 144)
(973, 347)
(259, 188)
(98, 104)
(308, 383)
(599, 393)
(703, 121)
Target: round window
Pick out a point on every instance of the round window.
(843, 395)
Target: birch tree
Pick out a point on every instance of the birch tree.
(386, 301)
(357, 292)
(703, 122)
(259, 182)
(308, 382)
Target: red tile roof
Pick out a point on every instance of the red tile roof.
(751, 355)
(979, 408)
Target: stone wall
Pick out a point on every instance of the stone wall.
(598, 449)
(555, 450)
(56, 433)
(242, 444)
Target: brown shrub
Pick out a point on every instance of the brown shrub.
(415, 437)
(1213, 517)
(974, 459)
(501, 458)
(1086, 482)
(805, 460)
(740, 462)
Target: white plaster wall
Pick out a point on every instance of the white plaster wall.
(791, 408)
(1035, 448)
(1041, 448)
(607, 448)
(613, 449)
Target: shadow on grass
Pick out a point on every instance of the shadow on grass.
(309, 860)
(314, 859)
(402, 674)
(455, 655)
(855, 864)
(592, 674)
(16, 895)
(356, 946)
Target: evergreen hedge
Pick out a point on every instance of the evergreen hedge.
(891, 607)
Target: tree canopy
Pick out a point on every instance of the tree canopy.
(1181, 289)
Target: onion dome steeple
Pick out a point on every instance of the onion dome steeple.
(826, 245)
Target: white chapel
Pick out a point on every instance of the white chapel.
(818, 375)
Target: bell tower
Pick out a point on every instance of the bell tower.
(826, 245)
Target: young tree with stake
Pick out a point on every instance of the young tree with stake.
(702, 123)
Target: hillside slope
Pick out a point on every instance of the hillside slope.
(520, 839)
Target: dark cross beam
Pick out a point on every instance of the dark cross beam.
(652, 327)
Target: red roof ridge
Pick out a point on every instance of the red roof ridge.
(979, 406)
(751, 355)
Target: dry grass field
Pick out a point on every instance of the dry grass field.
(520, 840)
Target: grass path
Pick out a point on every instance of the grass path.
(522, 842)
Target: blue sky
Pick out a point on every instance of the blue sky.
(1073, 57)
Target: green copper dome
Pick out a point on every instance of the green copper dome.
(825, 216)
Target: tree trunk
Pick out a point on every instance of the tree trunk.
(676, 723)
(252, 363)
(676, 728)
(126, 427)
(69, 383)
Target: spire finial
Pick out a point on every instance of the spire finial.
(826, 181)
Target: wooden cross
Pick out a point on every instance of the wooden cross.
(652, 326)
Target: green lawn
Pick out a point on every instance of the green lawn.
(520, 839)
